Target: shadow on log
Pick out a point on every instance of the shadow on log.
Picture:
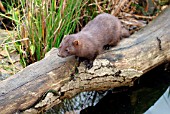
(47, 82)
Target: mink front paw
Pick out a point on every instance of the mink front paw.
(80, 59)
(88, 64)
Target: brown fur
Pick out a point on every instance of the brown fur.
(105, 29)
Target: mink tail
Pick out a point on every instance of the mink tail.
(124, 33)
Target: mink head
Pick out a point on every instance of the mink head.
(68, 46)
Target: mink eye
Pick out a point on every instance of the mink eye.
(67, 50)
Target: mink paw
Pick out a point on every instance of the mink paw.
(80, 59)
(88, 64)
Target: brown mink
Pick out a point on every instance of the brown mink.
(103, 31)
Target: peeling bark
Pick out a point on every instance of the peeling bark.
(47, 82)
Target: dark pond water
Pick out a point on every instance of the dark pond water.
(124, 100)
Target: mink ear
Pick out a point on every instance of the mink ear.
(76, 42)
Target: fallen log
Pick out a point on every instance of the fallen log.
(47, 82)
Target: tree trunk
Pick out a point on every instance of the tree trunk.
(45, 83)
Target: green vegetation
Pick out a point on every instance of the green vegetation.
(42, 24)
(45, 24)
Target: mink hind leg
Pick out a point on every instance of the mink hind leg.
(114, 41)
(107, 47)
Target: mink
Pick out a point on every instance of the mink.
(103, 31)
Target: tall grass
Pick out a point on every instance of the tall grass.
(41, 24)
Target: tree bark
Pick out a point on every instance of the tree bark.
(45, 83)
